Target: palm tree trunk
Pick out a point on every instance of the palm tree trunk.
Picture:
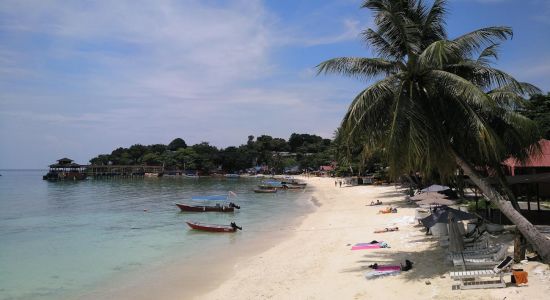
(540, 242)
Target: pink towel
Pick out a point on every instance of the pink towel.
(388, 268)
(365, 246)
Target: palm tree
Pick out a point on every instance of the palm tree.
(436, 102)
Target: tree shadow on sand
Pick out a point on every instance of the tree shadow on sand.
(393, 194)
(427, 264)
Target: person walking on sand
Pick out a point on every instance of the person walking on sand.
(335, 183)
(340, 182)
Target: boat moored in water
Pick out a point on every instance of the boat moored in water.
(213, 227)
(265, 190)
(223, 204)
(203, 208)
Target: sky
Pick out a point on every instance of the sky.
(81, 78)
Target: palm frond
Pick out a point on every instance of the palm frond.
(477, 39)
(395, 25)
(520, 88)
(382, 47)
(487, 53)
(433, 27)
(358, 67)
(457, 87)
(438, 54)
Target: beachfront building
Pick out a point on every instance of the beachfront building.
(536, 164)
(532, 177)
(65, 169)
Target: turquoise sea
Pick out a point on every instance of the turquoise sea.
(59, 239)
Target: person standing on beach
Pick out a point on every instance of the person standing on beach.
(335, 183)
(340, 182)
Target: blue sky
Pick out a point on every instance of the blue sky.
(79, 78)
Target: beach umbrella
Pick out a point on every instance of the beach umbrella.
(435, 188)
(428, 196)
(441, 215)
(436, 201)
(456, 241)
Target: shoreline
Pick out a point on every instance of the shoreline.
(191, 277)
(311, 258)
(316, 262)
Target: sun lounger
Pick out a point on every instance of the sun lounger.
(480, 279)
(473, 261)
(488, 252)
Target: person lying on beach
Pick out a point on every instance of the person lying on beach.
(388, 210)
(378, 202)
(387, 229)
(406, 267)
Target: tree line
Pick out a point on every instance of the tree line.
(305, 151)
(300, 151)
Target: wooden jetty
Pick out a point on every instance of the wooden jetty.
(126, 171)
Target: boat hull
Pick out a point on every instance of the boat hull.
(211, 227)
(204, 208)
(265, 191)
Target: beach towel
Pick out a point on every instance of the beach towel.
(382, 271)
(371, 245)
(520, 277)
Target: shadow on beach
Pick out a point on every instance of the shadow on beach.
(427, 264)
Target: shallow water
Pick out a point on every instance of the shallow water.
(63, 238)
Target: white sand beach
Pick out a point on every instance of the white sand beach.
(315, 261)
(312, 259)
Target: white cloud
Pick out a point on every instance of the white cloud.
(122, 72)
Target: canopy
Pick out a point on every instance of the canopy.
(436, 201)
(428, 196)
(214, 197)
(441, 215)
(435, 188)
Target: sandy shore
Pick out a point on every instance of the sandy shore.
(315, 261)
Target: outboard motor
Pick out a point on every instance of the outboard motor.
(235, 226)
(231, 204)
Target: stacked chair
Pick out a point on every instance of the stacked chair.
(486, 278)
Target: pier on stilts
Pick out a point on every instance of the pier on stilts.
(123, 171)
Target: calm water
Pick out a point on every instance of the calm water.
(62, 238)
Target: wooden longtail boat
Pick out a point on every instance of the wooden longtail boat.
(294, 183)
(265, 190)
(293, 187)
(214, 227)
(223, 204)
(202, 208)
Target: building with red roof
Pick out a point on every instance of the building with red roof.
(535, 164)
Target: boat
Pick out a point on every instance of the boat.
(202, 208)
(214, 227)
(293, 187)
(265, 190)
(294, 182)
(224, 206)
